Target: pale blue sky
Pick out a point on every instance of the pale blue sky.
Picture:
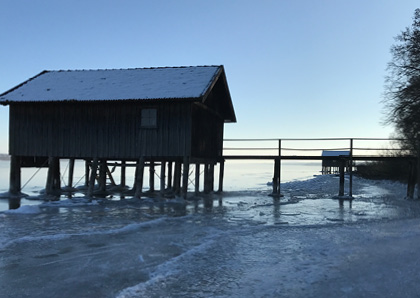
(295, 68)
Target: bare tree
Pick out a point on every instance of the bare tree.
(402, 95)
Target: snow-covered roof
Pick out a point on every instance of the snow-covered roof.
(335, 153)
(115, 84)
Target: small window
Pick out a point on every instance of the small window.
(148, 118)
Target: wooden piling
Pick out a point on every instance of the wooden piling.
(15, 175)
(162, 176)
(341, 169)
(276, 177)
(211, 177)
(123, 173)
(71, 173)
(177, 177)
(87, 173)
(197, 178)
(53, 176)
(221, 174)
(185, 174)
(152, 176)
(102, 175)
(92, 177)
(207, 182)
(169, 180)
(138, 185)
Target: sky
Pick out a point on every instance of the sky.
(295, 68)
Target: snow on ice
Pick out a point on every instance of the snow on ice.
(245, 244)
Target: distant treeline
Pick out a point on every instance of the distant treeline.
(4, 156)
(384, 170)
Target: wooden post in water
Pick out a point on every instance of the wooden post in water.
(53, 176)
(351, 169)
(87, 171)
(152, 176)
(185, 174)
(221, 174)
(206, 178)
(102, 175)
(15, 175)
(177, 177)
(162, 176)
(197, 178)
(342, 166)
(276, 177)
(123, 173)
(138, 184)
(169, 180)
(211, 177)
(92, 177)
(71, 172)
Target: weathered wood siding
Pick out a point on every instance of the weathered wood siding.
(99, 129)
(207, 133)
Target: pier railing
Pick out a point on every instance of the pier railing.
(344, 151)
(312, 148)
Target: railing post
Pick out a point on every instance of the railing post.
(278, 189)
(351, 169)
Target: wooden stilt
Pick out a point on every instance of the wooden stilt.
(15, 175)
(152, 176)
(177, 177)
(207, 182)
(71, 173)
(162, 176)
(169, 180)
(138, 185)
(276, 176)
(221, 174)
(53, 176)
(341, 169)
(185, 174)
(102, 175)
(211, 177)
(92, 177)
(87, 171)
(123, 172)
(197, 178)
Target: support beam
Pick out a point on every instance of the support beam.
(87, 173)
(207, 182)
(15, 175)
(152, 176)
(197, 178)
(169, 180)
(123, 174)
(211, 177)
(185, 174)
(92, 177)
(102, 175)
(177, 177)
(162, 176)
(138, 185)
(221, 174)
(53, 176)
(71, 173)
(341, 169)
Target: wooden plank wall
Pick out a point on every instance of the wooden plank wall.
(101, 129)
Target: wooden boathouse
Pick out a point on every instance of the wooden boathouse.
(172, 117)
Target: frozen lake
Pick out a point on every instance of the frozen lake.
(241, 243)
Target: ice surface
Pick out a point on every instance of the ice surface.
(240, 243)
